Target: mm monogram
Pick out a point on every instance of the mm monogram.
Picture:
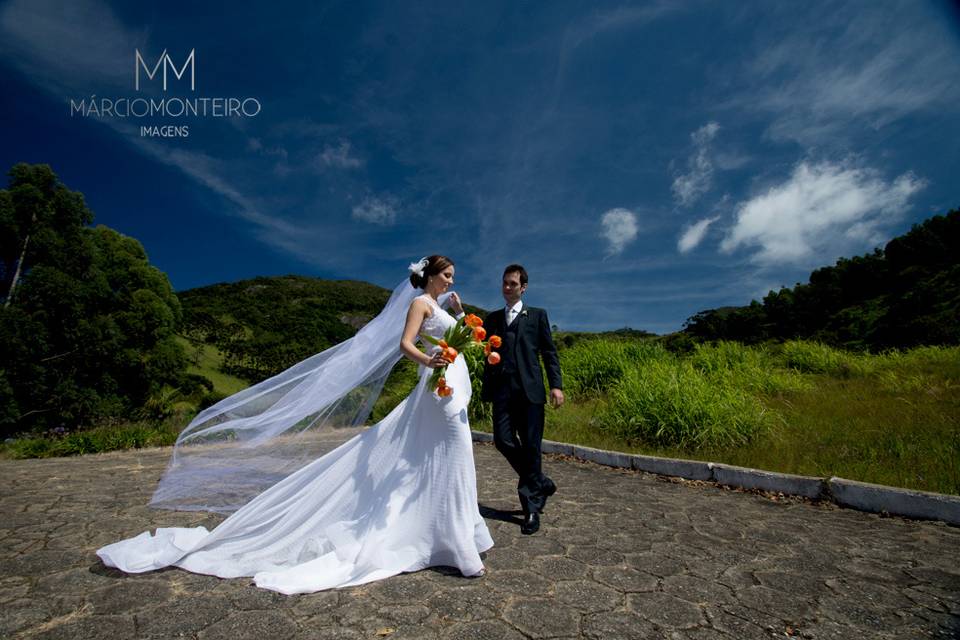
(166, 62)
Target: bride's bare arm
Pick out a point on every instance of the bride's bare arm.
(419, 310)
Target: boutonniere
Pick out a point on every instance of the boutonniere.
(524, 312)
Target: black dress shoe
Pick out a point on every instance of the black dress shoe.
(549, 488)
(531, 524)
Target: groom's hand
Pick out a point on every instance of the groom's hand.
(556, 398)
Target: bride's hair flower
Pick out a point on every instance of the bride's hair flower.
(419, 266)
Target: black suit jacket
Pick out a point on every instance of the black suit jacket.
(534, 341)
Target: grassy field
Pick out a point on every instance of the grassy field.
(798, 407)
(206, 361)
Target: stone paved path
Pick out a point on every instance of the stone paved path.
(621, 555)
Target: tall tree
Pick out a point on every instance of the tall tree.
(89, 331)
(40, 221)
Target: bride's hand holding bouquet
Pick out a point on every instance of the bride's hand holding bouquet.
(466, 336)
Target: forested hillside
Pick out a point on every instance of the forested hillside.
(903, 295)
(264, 325)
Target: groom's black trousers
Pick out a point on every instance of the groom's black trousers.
(518, 434)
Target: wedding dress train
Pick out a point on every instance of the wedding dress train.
(398, 497)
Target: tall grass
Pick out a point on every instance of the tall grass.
(593, 366)
(816, 357)
(753, 368)
(672, 403)
(656, 397)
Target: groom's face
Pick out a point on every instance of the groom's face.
(512, 289)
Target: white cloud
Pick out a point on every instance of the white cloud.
(619, 229)
(706, 133)
(687, 188)
(338, 157)
(822, 209)
(375, 211)
(694, 234)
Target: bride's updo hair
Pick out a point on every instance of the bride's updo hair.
(435, 264)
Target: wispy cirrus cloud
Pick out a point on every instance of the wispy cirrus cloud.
(821, 211)
(43, 40)
(379, 211)
(339, 157)
(688, 187)
(845, 69)
(694, 234)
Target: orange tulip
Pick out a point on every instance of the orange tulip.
(479, 334)
(493, 358)
(441, 382)
(443, 344)
(487, 349)
(445, 392)
(450, 354)
(473, 321)
(496, 341)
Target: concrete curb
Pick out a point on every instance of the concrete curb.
(813, 488)
(878, 498)
(874, 498)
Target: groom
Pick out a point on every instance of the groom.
(515, 386)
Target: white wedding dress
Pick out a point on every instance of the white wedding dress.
(398, 497)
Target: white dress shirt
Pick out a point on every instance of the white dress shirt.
(513, 312)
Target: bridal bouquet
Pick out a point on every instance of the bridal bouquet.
(467, 335)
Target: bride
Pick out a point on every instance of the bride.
(398, 497)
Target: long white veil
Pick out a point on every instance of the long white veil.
(233, 450)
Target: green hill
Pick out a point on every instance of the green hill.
(264, 325)
(252, 329)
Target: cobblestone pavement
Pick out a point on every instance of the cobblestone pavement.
(621, 555)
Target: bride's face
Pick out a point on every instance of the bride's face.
(443, 280)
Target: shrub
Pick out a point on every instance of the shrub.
(210, 399)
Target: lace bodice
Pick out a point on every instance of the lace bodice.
(437, 323)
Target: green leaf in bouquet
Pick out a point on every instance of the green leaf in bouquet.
(430, 339)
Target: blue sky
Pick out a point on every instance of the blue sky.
(644, 161)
